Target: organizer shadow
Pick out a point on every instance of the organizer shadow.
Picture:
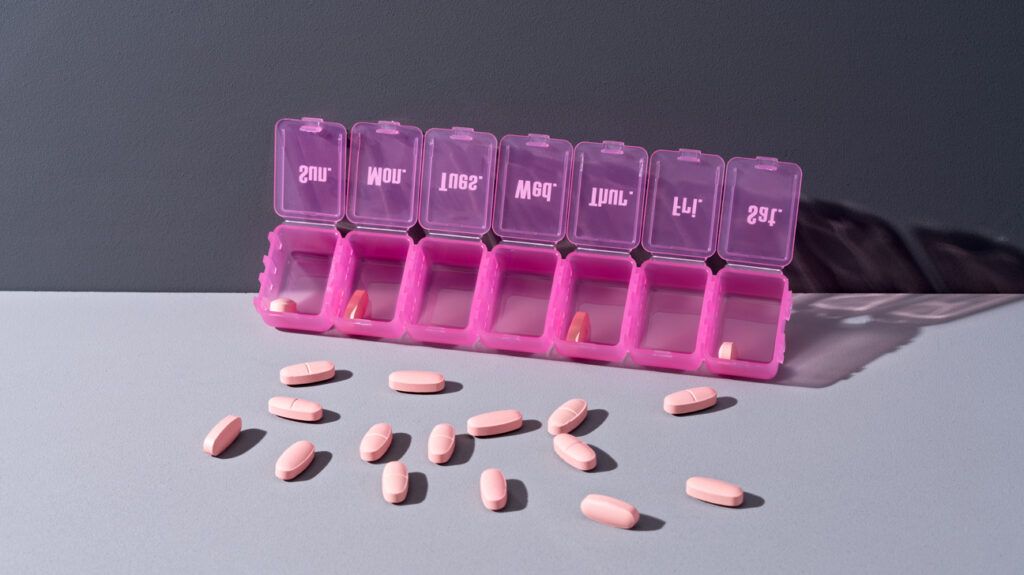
(246, 440)
(465, 444)
(517, 496)
(594, 419)
(320, 461)
(648, 523)
(400, 443)
(417, 488)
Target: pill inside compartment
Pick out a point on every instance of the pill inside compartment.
(749, 309)
(298, 267)
(523, 280)
(378, 266)
(598, 285)
(671, 299)
(443, 290)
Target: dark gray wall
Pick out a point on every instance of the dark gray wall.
(135, 140)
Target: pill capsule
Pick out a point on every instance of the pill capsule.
(306, 373)
(726, 351)
(283, 305)
(394, 482)
(690, 400)
(714, 491)
(579, 328)
(494, 422)
(222, 435)
(610, 511)
(416, 381)
(493, 489)
(358, 305)
(567, 417)
(441, 444)
(575, 452)
(294, 460)
(376, 442)
(293, 408)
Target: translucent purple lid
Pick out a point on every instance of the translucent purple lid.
(384, 176)
(684, 195)
(607, 195)
(309, 170)
(458, 181)
(759, 212)
(533, 182)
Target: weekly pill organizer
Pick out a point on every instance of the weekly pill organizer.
(522, 296)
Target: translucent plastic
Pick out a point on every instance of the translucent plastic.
(533, 188)
(384, 175)
(376, 264)
(458, 181)
(670, 314)
(517, 311)
(608, 185)
(683, 200)
(309, 170)
(597, 284)
(762, 196)
(445, 274)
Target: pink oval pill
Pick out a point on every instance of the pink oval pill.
(416, 381)
(575, 452)
(294, 408)
(726, 351)
(306, 373)
(690, 400)
(394, 483)
(579, 328)
(376, 442)
(294, 460)
(283, 305)
(494, 422)
(714, 491)
(441, 444)
(567, 417)
(358, 305)
(493, 489)
(222, 435)
(609, 511)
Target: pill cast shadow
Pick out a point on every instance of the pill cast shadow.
(724, 402)
(648, 523)
(528, 426)
(400, 443)
(465, 444)
(750, 501)
(320, 461)
(328, 417)
(450, 387)
(246, 440)
(605, 462)
(594, 419)
(417, 488)
(339, 375)
(518, 497)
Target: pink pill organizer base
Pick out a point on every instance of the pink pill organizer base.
(520, 297)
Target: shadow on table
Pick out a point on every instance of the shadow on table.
(246, 440)
(517, 496)
(320, 461)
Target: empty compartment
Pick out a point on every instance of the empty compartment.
(672, 302)
(750, 305)
(305, 266)
(442, 308)
(523, 290)
(379, 265)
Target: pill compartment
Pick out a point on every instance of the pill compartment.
(448, 266)
(608, 187)
(750, 302)
(530, 213)
(383, 199)
(305, 256)
(684, 195)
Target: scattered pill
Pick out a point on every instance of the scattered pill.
(376, 442)
(293, 408)
(493, 489)
(222, 435)
(306, 373)
(441, 444)
(416, 381)
(358, 305)
(283, 305)
(494, 422)
(567, 417)
(394, 483)
(579, 328)
(714, 491)
(609, 511)
(294, 460)
(690, 400)
(725, 351)
(575, 452)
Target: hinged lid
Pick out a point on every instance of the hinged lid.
(533, 182)
(458, 181)
(759, 212)
(683, 198)
(309, 170)
(607, 195)
(384, 176)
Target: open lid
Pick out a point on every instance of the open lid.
(309, 170)
(533, 183)
(759, 212)
(684, 195)
(384, 175)
(458, 181)
(607, 195)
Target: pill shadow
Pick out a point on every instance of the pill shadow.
(528, 426)
(648, 523)
(724, 402)
(417, 489)
(320, 461)
(517, 496)
(465, 444)
(400, 443)
(245, 441)
(594, 419)
(605, 462)
(339, 375)
(450, 387)
(751, 501)
(328, 417)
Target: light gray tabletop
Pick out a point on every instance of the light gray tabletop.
(893, 444)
